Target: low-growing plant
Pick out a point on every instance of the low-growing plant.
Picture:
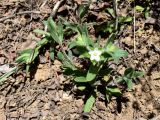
(108, 26)
(98, 75)
(98, 72)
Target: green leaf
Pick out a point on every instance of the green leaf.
(27, 68)
(114, 91)
(51, 24)
(84, 37)
(138, 74)
(80, 79)
(67, 64)
(85, 55)
(111, 12)
(26, 51)
(72, 44)
(45, 22)
(146, 14)
(53, 30)
(27, 56)
(88, 41)
(33, 55)
(82, 10)
(41, 32)
(126, 19)
(107, 97)
(119, 80)
(105, 56)
(80, 50)
(60, 56)
(110, 40)
(80, 41)
(60, 31)
(76, 73)
(24, 56)
(68, 71)
(70, 55)
(42, 42)
(128, 72)
(139, 8)
(118, 53)
(4, 77)
(51, 55)
(71, 26)
(131, 73)
(129, 83)
(92, 73)
(81, 87)
(89, 103)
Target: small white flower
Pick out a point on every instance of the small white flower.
(95, 54)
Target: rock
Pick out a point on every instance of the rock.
(14, 114)
(2, 101)
(2, 115)
(155, 75)
(141, 118)
(79, 103)
(100, 105)
(144, 50)
(66, 97)
(128, 41)
(43, 73)
(47, 106)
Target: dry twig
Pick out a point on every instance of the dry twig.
(134, 29)
(54, 11)
(45, 1)
(56, 7)
(20, 13)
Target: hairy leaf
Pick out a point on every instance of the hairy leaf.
(118, 53)
(4, 77)
(80, 79)
(82, 10)
(129, 83)
(139, 8)
(89, 103)
(60, 56)
(111, 12)
(126, 19)
(42, 42)
(114, 91)
(53, 30)
(81, 87)
(92, 73)
(41, 32)
(33, 55)
(24, 56)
